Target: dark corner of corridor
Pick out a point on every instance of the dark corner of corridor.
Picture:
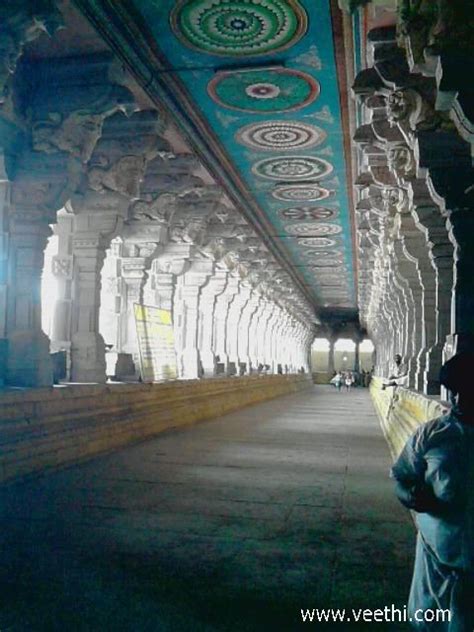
(236, 315)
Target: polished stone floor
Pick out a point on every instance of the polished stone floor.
(234, 524)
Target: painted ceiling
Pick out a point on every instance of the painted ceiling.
(261, 80)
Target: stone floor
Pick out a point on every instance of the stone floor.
(234, 524)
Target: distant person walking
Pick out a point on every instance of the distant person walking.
(348, 381)
(337, 381)
(434, 477)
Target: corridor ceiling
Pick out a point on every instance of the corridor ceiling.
(256, 87)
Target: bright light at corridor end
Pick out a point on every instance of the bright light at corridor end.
(343, 344)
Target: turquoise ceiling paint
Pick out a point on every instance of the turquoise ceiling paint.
(262, 76)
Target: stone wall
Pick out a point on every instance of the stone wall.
(45, 428)
(401, 411)
(321, 377)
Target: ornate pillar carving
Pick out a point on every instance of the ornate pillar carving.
(220, 321)
(244, 339)
(189, 287)
(332, 342)
(236, 308)
(29, 362)
(207, 305)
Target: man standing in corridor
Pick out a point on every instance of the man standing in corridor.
(435, 478)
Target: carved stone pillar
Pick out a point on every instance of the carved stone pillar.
(92, 236)
(62, 265)
(357, 356)
(220, 321)
(243, 338)
(133, 275)
(254, 348)
(236, 308)
(272, 326)
(262, 327)
(332, 342)
(441, 256)
(188, 290)
(277, 341)
(29, 362)
(207, 305)
(461, 230)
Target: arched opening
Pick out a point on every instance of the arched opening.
(344, 355)
(320, 355)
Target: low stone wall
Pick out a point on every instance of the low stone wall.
(321, 377)
(43, 428)
(401, 411)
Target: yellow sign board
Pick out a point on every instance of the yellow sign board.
(155, 343)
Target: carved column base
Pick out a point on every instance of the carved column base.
(88, 358)
(190, 364)
(209, 363)
(29, 362)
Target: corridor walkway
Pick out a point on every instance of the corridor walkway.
(234, 524)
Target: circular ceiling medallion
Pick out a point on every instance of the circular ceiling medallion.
(307, 192)
(263, 90)
(317, 256)
(283, 135)
(292, 168)
(326, 262)
(316, 242)
(308, 212)
(239, 27)
(313, 229)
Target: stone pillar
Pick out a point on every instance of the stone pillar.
(188, 291)
(430, 221)
(272, 326)
(236, 308)
(253, 334)
(207, 305)
(243, 339)
(133, 275)
(220, 321)
(332, 342)
(277, 341)
(87, 345)
(461, 231)
(357, 356)
(63, 272)
(265, 315)
(29, 362)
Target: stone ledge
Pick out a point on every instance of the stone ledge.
(401, 411)
(43, 428)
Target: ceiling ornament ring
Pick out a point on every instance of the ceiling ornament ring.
(307, 192)
(292, 168)
(280, 135)
(239, 28)
(326, 263)
(316, 242)
(308, 212)
(311, 255)
(263, 91)
(313, 230)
